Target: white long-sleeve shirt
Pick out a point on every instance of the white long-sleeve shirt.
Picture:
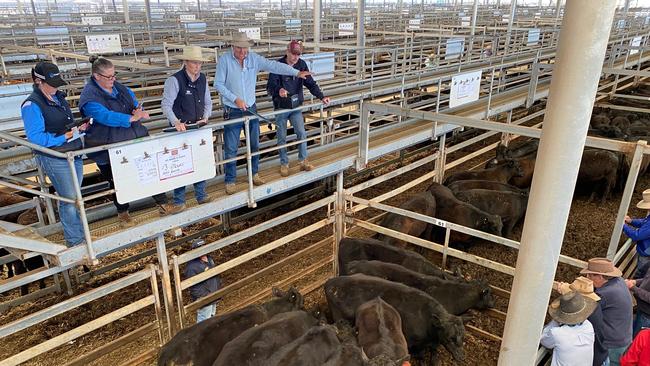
(571, 345)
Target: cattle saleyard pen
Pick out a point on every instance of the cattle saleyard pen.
(392, 129)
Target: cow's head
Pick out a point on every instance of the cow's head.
(515, 168)
(484, 293)
(491, 224)
(451, 336)
(289, 300)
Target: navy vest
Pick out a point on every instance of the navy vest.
(189, 103)
(55, 117)
(99, 134)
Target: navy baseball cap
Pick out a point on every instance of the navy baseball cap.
(49, 73)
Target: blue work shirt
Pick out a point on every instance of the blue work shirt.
(35, 125)
(103, 115)
(233, 81)
(639, 232)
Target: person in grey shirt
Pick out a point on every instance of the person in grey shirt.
(186, 100)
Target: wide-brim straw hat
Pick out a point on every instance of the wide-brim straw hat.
(602, 266)
(192, 53)
(585, 287)
(240, 39)
(571, 308)
(644, 204)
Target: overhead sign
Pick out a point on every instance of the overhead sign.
(92, 21)
(414, 23)
(251, 33)
(261, 16)
(195, 27)
(52, 35)
(465, 88)
(620, 24)
(464, 21)
(151, 167)
(105, 43)
(187, 17)
(292, 25)
(346, 29)
(533, 36)
(454, 48)
(635, 42)
(321, 64)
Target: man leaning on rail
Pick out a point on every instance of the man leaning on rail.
(235, 81)
(202, 289)
(117, 116)
(46, 115)
(186, 101)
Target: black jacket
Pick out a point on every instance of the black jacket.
(292, 84)
(205, 288)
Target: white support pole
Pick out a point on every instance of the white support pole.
(168, 296)
(580, 55)
(317, 11)
(513, 9)
(125, 9)
(361, 38)
(472, 31)
(558, 8)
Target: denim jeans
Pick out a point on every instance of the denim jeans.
(206, 312)
(231, 135)
(199, 193)
(107, 174)
(58, 171)
(641, 262)
(298, 123)
(615, 355)
(641, 320)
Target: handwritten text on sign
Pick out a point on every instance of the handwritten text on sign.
(175, 162)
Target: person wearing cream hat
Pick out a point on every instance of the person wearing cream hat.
(615, 303)
(570, 335)
(639, 231)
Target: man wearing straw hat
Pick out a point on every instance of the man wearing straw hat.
(616, 304)
(235, 81)
(570, 335)
(186, 100)
(585, 287)
(639, 231)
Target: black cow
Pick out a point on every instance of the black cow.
(18, 267)
(525, 155)
(603, 167)
(425, 322)
(351, 249)
(379, 328)
(450, 208)
(457, 295)
(464, 185)
(500, 173)
(254, 346)
(510, 206)
(422, 203)
(201, 343)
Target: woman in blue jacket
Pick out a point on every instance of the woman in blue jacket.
(639, 231)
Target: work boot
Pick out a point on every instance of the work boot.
(284, 170)
(173, 209)
(125, 219)
(207, 199)
(258, 181)
(230, 188)
(306, 166)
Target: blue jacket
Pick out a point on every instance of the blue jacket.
(205, 288)
(111, 114)
(639, 232)
(616, 304)
(292, 84)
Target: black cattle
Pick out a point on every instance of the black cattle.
(425, 322)
(18, 267)
(599, 119)
(201, 343)
(464, 185)
(623, 123)
(608, 131)
(525, 156)
(379, 328)
(351, 249)
(601, 167)
(254, 346)
(451, 209)
(457, 295)
(510, 206)
(500, 173)
(422, 203)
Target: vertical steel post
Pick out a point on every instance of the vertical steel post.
(472, 30)
(82, 211)
(511, 20)
(339, 219)
(166, 284)
(249, 163)
(156, 303)
(125, 9)
(361, 39)
(579, 59)
(179, 291)
(317, 11)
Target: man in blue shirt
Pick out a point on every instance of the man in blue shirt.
(45, 114)
(235, 81)
(639, 231)
(202, 289)
(280, 86)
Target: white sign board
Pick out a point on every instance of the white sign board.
(464, 88)
(505, 19)
(321, 64)
(261, 16)
(151, 167)
(187, 17)
(292, 25)
(105, 43)
(635, 42)
(533, 36)
(454, 48)
(620, 24)
(251, 33)
(464, 21)
(647, 20)
(92, 21)
(346, 29)
(414, 23)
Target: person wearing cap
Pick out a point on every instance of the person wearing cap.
(640, 289)
(117, 117)
(279, 86)
(639, 231)
(186, 99)
(45, 114)
(639, 352)
(585, 287)
(205, 288)
(235, 81)
(615, 303)
(570, 335)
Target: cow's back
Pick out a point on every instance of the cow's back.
(319, 346)
(464, 185)
(379, 328)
